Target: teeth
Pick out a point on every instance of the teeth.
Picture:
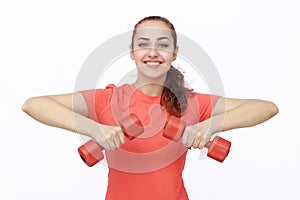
(152, 63)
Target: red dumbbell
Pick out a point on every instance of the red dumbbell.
(91, 152)
(218, 148)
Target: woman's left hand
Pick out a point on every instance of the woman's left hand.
(197, 135)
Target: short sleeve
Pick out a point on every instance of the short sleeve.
(206, 103)
(97, 100)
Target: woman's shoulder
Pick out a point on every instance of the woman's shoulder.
(202, 98)
(111, 88)
(195, 94)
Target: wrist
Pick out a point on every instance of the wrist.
(216, 123)
(86, 126)
(93, 129)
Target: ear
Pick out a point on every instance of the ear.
(175, 53)
(131, 52)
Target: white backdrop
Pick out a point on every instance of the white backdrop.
(254, 45)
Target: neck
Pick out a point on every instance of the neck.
(150, 88)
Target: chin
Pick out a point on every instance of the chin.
(154, 73)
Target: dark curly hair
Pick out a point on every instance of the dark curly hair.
(174, 94)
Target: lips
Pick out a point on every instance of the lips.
(153, 63)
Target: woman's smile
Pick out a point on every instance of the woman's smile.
(153, 63)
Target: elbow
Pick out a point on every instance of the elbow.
(30, 104)
(26, 106)
(273, 109)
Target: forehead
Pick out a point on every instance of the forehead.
(153, 29)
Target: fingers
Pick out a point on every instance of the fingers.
(118, 137)
(110, 137)
(197, 141)
(188, 137)
(185, 137)
(195, 136)
(122, 138)
(115, 138)
(200, 140)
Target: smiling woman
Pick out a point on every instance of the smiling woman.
(153, 51)
(150, 166)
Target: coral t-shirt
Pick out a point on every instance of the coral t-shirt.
(149, 166)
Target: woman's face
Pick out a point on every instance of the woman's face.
(153, 48)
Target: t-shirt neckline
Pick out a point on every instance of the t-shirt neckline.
(143, 95)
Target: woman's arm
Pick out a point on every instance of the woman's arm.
(240, 113)
(229, 114)
(70, 112)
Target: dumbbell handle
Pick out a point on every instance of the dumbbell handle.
(218, 148)
(91, 152)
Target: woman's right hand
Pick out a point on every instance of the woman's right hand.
(109, 137)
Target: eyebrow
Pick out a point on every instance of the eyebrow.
(160, 38)
(142, 38)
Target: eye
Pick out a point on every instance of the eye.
(142, 45)
(163, 45)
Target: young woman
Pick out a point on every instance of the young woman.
(150, 166)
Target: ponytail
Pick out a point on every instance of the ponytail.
(174, 95)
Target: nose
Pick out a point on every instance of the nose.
(153, 52)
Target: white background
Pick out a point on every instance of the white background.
(254, 45)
